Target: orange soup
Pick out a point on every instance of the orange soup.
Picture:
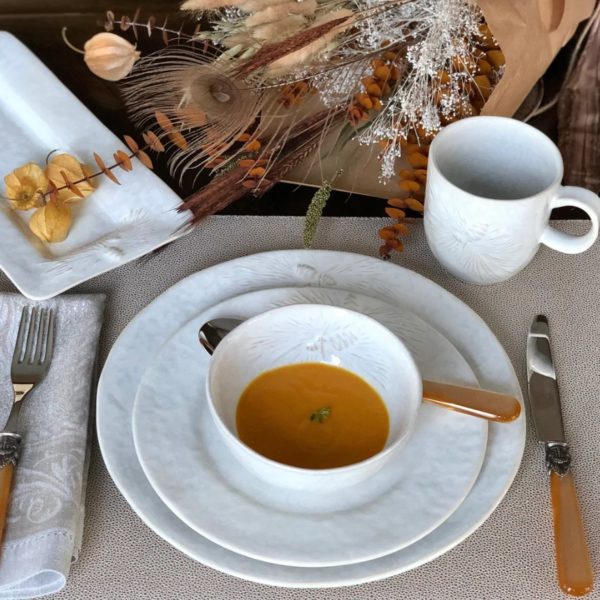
(312, 415)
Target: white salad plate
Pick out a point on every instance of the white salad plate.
(113, 226)
(143, 338)
(192, 469)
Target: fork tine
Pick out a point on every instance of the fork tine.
(32, 334)
(23, 327)
(49, 338)
(42, 335)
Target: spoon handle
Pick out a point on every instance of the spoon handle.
(472, 401)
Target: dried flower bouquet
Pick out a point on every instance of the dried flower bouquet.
(257, 86)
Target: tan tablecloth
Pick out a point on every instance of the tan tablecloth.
(509, 557)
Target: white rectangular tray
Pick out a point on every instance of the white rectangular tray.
(115, 225)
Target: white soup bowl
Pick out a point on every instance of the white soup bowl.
(309, 333)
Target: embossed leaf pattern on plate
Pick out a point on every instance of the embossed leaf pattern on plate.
(317, 341)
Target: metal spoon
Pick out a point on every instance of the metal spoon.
(476, 402)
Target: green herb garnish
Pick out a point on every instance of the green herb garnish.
(321, 414)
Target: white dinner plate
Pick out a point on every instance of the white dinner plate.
(151, 328)
(115, 225)
(202, 482)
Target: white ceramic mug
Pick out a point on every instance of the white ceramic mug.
(492, 183)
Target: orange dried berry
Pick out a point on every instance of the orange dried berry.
(401, 229)
(355, 115)
(421, 175)
(257, 172)
(373, 89)
(483, 84)
(395, 213)
(389, 55)
(477, 104)
(416, 159)
(247, 163)
(463, 63)
(407, 185)
(496, 57)
(253, 146)
(376, 63)
(387, 233)
(397, 202)
(367, 81)
(215, 162)
(483, 67)
(394, 73)
(395, 244)
(377, 104)
(407, 174)
(383, 72)
(364, 100)
(486, 36)
(410, 148)
(443, 76)
(244, 137)
(414, 204)
(424, 136)
(384, 251)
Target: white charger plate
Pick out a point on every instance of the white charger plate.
(202, 482)
(115, 225)
(144, 336)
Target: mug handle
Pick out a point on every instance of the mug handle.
(580, 198)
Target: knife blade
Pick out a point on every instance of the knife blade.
(544, 398)
(573, 563)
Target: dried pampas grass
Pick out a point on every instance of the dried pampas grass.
(341, 19)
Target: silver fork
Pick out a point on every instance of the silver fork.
(31, 360)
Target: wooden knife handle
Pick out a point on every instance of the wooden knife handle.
(473, 401)
(10, 445)
(573, 564)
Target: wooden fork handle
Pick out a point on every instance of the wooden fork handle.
(573, 564)
(10, 445)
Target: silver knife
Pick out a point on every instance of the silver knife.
(574, 568)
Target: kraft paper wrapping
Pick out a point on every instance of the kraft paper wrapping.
(530, 33)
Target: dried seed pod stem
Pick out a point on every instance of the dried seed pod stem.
(122, 160)
(71, 185)
(168, 34)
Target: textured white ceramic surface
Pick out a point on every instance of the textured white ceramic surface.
(115, 225)
(492, 183)
(203, 483)
(142, 338)
(301, 333)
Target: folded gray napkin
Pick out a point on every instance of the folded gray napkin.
(45, 520)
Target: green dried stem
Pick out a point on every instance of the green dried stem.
(314, 213)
